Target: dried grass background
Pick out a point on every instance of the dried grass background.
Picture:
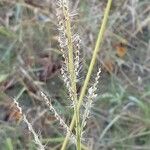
(30, 55)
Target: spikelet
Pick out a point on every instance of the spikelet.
(77, 46)
(90, 97)
(30, 128)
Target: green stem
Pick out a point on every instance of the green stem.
(93, 61)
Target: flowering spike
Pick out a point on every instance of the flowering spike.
(91, 96)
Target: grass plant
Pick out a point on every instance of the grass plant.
(103, 102)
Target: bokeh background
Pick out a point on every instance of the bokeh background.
(30, 55)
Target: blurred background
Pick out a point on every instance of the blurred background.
(30, 55)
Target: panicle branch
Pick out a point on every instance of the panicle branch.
(30, 128)
(90, 97)
(58, 117)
